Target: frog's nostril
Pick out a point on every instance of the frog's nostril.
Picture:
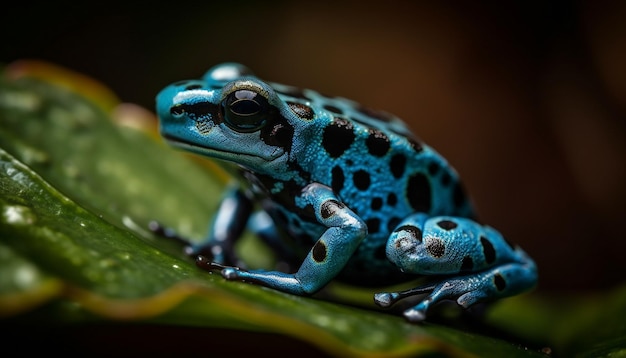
(197, 110)
(177, 110)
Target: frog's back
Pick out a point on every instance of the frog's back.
(376, 166)
(372, 160)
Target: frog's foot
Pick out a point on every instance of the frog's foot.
(212, 259)
(275, 279)
(207, 264)
(478, 263)
(386, 299)
(467, 290)
(458, 289)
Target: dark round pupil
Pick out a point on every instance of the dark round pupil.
(245, 107)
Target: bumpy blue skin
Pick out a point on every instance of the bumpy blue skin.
(340, 191)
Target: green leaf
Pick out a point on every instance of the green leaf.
(76, 195)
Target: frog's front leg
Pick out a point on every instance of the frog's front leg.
(481, 265)
(345, 231)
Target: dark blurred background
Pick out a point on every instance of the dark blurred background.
(526, 99)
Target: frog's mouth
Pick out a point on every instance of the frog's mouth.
(221, 153)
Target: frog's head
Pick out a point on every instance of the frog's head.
(229, 115)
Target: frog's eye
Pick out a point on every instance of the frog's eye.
(245, 111)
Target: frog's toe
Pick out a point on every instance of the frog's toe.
(472, 297)
(207, 264)
(414, 315)
(385, 299)
(230, 273)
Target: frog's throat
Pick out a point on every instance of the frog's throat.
(221, 153)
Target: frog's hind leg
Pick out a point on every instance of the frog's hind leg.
(478, 263)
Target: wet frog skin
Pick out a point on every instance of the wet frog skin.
(339, 191)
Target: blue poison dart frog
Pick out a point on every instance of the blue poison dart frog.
(338, 190)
